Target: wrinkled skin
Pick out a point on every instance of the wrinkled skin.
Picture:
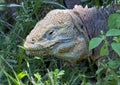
(56, 35)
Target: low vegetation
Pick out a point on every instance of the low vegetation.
(17, 68)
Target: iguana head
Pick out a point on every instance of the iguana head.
(56, 35)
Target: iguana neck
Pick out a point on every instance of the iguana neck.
(91, 21)
(94, 20)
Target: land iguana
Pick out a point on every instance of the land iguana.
(65, 34)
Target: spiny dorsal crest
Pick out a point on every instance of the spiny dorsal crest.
(58, 16)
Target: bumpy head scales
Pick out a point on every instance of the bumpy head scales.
(57, 35)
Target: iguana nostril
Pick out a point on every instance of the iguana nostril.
(33, 39)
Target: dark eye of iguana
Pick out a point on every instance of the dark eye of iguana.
(49, 34)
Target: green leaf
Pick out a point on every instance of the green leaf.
(60, 73)
(97, 2)
(83, 1)
(36, 6)
(88, 83)
(21, 75)
(38, 76)
(113, 32)
(104, 51)
(114, 21)
(12, 78)
(99, 71)
(94, 42)
(114, 64)
(116, 39)
(116, 47)
(118, 11)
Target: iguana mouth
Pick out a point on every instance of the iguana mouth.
(38, 46)
(43, 45)
(36, 52)
(38, 49)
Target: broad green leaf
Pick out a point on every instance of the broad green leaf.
(118, 1)
(114, 21)
(2, 8)
(21, 75)
(104, 51)
(2, 1)
(116, 47)
(113, 32)
(94, 42)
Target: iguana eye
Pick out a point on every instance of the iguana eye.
(51, 32)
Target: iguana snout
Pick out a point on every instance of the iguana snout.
(56, 35)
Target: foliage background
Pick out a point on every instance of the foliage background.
(17, 68)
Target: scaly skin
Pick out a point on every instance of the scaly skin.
(65, 33)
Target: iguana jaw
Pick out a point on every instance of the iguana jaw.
(45, 47)
(39, 47)
(66, 49)
(72, 51)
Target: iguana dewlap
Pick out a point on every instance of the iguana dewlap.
(65, 33)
